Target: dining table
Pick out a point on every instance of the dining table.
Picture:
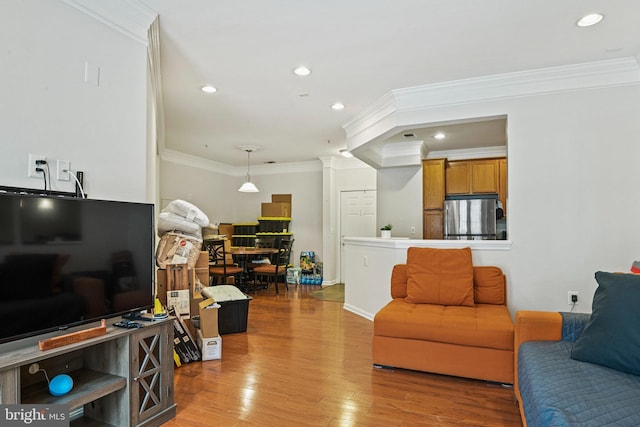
(243, 255)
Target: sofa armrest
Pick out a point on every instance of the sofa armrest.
(399, 281)
(534, 326)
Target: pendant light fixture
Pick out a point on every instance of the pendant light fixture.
(248, 186)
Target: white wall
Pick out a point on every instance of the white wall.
(46, 108)
(397, 200)
(216, 194)
(574, 200)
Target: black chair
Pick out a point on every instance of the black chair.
(261, 243)
(278, 268)
(220, 263)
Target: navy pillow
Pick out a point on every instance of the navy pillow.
(612, 335)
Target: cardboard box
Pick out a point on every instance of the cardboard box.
(161, 286)
(203, 260)
(183, 342)
(209, 318)
(180, 300)
(226, 229)
(194, 306)
(276, 210)
(210, 348)
(281, 198)
(175, 248)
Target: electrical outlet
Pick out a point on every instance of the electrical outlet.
(572, 297)
(365, 261)
(31, 171)
(413, 229)
(63, 165)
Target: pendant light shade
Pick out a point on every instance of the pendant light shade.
(248, 186)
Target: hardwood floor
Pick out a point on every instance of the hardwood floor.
(308, 362)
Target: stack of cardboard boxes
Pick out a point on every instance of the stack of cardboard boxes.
(209, 340)
(178, 288)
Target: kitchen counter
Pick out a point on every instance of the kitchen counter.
(368, 262)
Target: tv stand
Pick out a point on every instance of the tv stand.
(138, 316)
(123, 378)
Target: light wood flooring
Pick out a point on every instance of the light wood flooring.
(306, 362)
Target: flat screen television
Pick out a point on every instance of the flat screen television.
(65, 261)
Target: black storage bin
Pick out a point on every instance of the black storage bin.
(234, 307)
(273, 225)
(245, 228)
(246, 241)
(278, 236)
(232, 316)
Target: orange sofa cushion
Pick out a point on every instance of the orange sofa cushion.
(440, 276)
(483, 325)
(489, 285)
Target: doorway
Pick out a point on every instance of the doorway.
(357, 218)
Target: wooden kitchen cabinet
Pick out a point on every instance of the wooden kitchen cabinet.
(433, 192)
(433, 224)
(433, 179)
(473, 177)
(457, 178)
(502, 184)
(484, 176)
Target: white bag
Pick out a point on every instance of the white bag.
(188, 211)
(168, 221)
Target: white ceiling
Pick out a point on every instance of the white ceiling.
(358, 51)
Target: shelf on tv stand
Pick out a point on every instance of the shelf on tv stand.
(88, 385)
(111, 375)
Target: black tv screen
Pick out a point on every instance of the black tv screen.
(65, 261)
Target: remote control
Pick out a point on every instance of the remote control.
(128, 324)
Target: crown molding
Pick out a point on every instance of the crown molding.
(179, 157)
(469, 153)
(367, 131)
(409, 153)
(129, 17)
(591, 75)
(221, 168)
(342, 163)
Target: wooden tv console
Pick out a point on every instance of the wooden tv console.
(122, 378)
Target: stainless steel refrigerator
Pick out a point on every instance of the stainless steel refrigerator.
(470, 218)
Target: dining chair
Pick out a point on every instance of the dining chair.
(219, 266)
(278, 268)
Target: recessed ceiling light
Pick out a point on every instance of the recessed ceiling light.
(346, 153)
(302, 71)
(590, 19)
(208, 89)
(439, 135)
(338, 106)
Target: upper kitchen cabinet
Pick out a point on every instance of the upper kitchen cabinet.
(433, 183)
(473, 176)
(433, 192)
(502, 187)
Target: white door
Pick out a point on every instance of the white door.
(357, 217)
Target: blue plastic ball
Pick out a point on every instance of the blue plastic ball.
(60, 385)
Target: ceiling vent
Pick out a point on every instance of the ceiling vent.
(409, 135)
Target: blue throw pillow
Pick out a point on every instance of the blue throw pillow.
(612, 335)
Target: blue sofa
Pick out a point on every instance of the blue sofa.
(555, 390)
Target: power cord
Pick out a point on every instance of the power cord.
(71, 174)
(46, 175)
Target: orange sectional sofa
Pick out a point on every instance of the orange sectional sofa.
(458, 325)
